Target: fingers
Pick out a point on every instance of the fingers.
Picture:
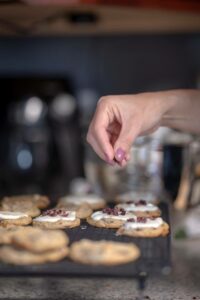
(125, 140)
(99, 137)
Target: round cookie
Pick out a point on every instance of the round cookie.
(16, 256)
(144, 227)
(82, 211)
(38, 240)
(23, 207)
(141, 208)
(135, 196)
(8, 219)
(57, 219)
(36, 200)
(93, 200)
(6, 234)
(103, 252)
(109, 218)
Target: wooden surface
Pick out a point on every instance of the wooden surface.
(56, 20)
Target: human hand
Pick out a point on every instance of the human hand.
(118, 120)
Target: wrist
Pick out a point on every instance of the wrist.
(170, 107)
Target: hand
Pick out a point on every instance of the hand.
(118, 120)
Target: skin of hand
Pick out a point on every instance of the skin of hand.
(118, 120)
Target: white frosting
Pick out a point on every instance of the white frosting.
(11, 215)
(90, 199)
(71, 217)
(135, 196)
(98, 215)
(133, 207)
(155, 223)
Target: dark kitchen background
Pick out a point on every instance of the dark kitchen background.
(49, 87)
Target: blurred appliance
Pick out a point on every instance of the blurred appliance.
(41, 146)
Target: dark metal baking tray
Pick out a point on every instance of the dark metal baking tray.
(155, 256)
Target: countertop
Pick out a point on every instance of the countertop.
(183, 283)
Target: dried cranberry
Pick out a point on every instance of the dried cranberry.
(55, 212)
(141, 202)
(122, 212)
(107, 210)
(130, 202)
(114, 211)
(131, 220)
(141, 220)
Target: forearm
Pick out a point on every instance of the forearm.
(183, 110)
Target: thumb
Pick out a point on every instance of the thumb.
(124, 142)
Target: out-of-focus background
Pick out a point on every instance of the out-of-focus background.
(58, 57)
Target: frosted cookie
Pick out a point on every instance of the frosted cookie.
(94, 201)
(24, 207)
(141, 208)
(82, 210)
(6, 234)
(103, 252)
(57, 218)
(39, 240)
(12, 255)
(109, 217)
(36, 200)
(144, 227)
(134, 196)
(8, 219)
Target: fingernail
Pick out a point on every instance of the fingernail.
(120, 154)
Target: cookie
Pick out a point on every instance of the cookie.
(94, 201)
(38, 240)
(103, 252)
(57, 218)
(6, 234)
(144, 227)
(109, 218)
(36, 200)
(23, 207)
(135, 195)
(8, 219)
(141, 208)
(82, 211)
(16, 256)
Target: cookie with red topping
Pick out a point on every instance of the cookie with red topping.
(141, 208)
(109, 217)
(144, 227)
(82, 210)
(57, 218)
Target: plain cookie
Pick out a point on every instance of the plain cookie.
(103, 252)
(38, 240)
(16, 256)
